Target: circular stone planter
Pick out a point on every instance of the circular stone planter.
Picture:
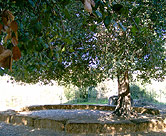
(85, 119)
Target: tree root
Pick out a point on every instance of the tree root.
(121, 112)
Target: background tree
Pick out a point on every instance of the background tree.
(60, 41)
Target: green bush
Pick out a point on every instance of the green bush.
(92, 93)
(81, 95)
(139, 92)
(69, 92)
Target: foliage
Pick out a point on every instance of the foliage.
(92, 93)
(91, 101)
(60, 41)
(136, 92)
(133, 40)
(69, 92)
(82, 95)
(1, 72)
(154, 92)
(142, 94)
(77, 95)
(54, 42)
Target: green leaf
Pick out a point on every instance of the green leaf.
(134, 30)
(66, 12)
(63, 49)
(64, 2)
(137, 20)
(93, 27)
(38, 27)
(42, 63)
(98, 13)
(71, 49)
(135, 11)
(123, 28)
(1, 72)
(32, 3)
(80, 44)
(46, 46)
(124, 11)
(107, 21)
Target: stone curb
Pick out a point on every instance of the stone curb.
(141, 110)
(86, 126)
(117, 127)
(33, 121)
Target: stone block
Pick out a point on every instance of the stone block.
(49, 124)
(5, 117)
(83, 127)
(22, 120)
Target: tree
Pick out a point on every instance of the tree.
(133, 43)
(60, 41)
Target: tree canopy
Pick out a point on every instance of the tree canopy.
(60, 40)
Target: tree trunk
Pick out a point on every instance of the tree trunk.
(123, 107)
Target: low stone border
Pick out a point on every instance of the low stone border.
(117, 127)
(141, 110)
(154, 123)
(33, 121)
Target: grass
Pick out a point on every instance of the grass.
(92, 101)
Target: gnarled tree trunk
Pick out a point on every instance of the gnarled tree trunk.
(123, 107)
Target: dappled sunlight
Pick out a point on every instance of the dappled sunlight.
(87, 119)
(93, 115)
(20, 130)
(24, 121)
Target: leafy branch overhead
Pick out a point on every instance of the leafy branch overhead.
(60, 40)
